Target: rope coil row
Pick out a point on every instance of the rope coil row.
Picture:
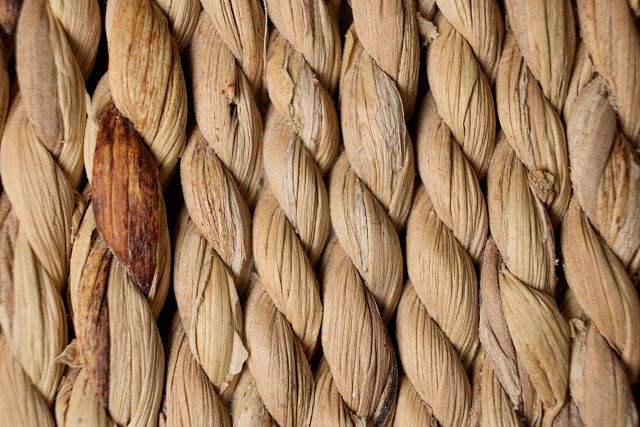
(524, 336)
(437, 323)
(291, 220)
(120, 267)
(41, 166)
(219, 173)
(600, 238)
(370, 194)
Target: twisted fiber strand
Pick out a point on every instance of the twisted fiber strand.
(291, 220)
(80, 21)
(75, 398)
(82, 25)
(370, 194)
(76, 402)
(600, 239)
(220, 173)
(121, 257)
(606, 348)
(41, 165)
(524, 337)
(613, 43)
(437, 323)
(191, 399)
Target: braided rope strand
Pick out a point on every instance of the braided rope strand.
(121, 258)
(600, 238)
(43, 135)
(370, 194)
(219, 171)
(437, 323)
(291, 220)
(524, 337)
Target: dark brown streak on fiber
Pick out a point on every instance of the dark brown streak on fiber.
(92, 326)
(126, 197)
(8, 236)
(103, 341)
(388, 407)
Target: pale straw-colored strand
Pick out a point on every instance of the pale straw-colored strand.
(437, 322)
(523, 335)
(291, 220)
(370, 195)
(190, 397)
(220, 171)
(600, 237)
(41, 166)
(613, 43)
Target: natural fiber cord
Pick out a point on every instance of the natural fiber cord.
(523, 335)
(370, 194)
(600, 239)
(257, 241)
(41, 166)
(219, 173)
(120, 268)
(291, 220)
(437, 322)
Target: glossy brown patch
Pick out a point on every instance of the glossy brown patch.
(126, 196)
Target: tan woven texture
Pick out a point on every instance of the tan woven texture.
(220, 169)
(291, 219)
(370, 194)
(437, 322)
(120, 267)
(525, 338)
(319, 213)
(600, 238)
(41, 166)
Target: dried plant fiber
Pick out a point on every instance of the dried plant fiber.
(319, 213)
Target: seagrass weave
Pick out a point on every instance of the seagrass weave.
(319, 213)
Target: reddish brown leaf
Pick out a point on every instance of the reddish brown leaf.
(126, 196)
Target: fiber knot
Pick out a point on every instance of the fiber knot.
(542, 182)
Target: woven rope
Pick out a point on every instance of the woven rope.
(437, 323)
(291, 220)
(533, 362)
(76, 399)
(524, 337)
(121, 257)
(41, 165)
(600, 239)
(370, 195)
(220, 171)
